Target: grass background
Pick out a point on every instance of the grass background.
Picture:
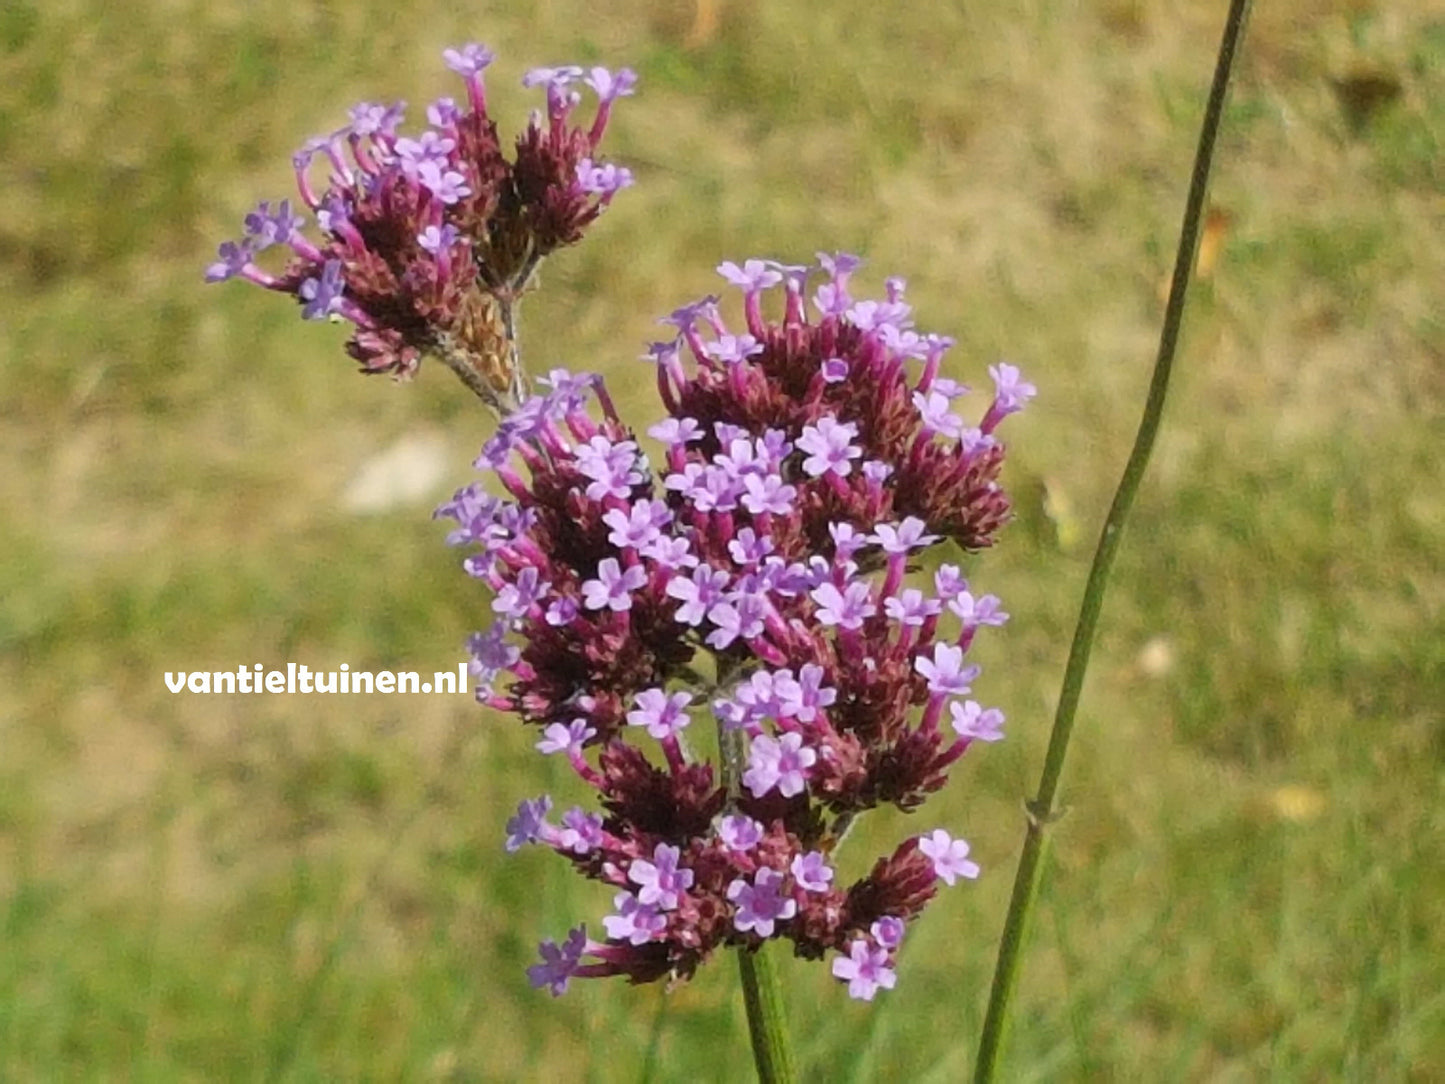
(1249, 881)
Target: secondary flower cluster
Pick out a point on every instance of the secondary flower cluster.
(762, 574)
(428, 241)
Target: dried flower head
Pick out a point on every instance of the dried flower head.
(765, 574)
(428, 241)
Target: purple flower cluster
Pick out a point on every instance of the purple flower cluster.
(427, 242)
(764, 573)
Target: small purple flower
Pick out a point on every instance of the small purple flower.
(611, 85)
(876, 471)
(447, 185)
(911, 608)
(731, 349)
(949, 855)
(581, 832)
(635, 921)
(613, 468)
(847, 540)
(848, 608)
(430, 146)
(811, 871)
(669, 553)
(529, 824)
(443, 113)
(903, 343)
(660, 882)
(937, 418)
(697, 593)
(770, 694)
(832, 299)
(813, 694)
(971, 720)
(830, 446)
(559, 76)
(840, 265)
(470, 59)
(234, 259)
(514, 600)
(1012, 390)
(334, 214)
(759, 904)
(637, 527)
(948, 388)
(322, 294)
(774, 448)
(265, 227)
(876, 315)
(739, 616)
(975, 612)
(559, 962)
(492, 653)
(612, 588)
(562, 611)
(685, 318)
(566, 739)
(834, 370)
(676, 431)
(948, 581)
(778, 762)
(865, 969)
(752, 275)
(663, 716)
(367, 118)
(768, 495)
(739, 833)
(749, 547)
(605, 180)
(437, 240)
(974, 440)
(946, 674)
(908, 535)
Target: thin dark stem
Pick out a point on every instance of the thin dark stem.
(468, 375)
(1041, 811)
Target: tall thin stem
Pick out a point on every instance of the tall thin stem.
(1041, 811)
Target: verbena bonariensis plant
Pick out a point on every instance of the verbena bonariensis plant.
(761, 574)
(766, 573)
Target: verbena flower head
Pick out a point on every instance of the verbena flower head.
(807, 464)
(426, 240)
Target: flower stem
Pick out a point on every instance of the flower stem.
(763, 995)
(1041, 811)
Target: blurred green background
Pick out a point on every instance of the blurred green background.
(1248, 884)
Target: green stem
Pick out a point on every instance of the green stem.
(763, 995)
(1042, 811)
